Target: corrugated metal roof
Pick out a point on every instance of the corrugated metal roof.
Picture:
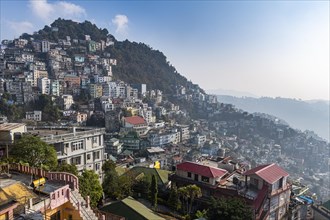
(10, 126)
(16, 191)
(135, 120)
(269, 172)
(200, 169)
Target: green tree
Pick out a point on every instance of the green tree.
(173, 200)
(189, 194)
(153, 191)
(125, 186)
(69, 168)
(35, 152)
(111, 180)
(50, 111)
(201, 214)
(142, 185)
(230, 208)
(89, 185)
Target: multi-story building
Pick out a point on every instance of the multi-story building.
(273, 179)
(95, 90)
(81, 117)
(67, 101)
(184, 132)
(142, 89)
(55, 88)
(131, 141)
(20, 43)
(199, 140)
(146, 113)
(45, 46)
(44, 85)
(135, 123)
(113, 146)
(264, 188)
(83, 148)
(38, 74)
(8, 133)
(161, 138)
(34, 115)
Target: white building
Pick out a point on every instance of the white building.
(55, 88)
(67, 101)
(114, 147)
(35, 115)
(84, 148)
(44, 85)
(45, 46)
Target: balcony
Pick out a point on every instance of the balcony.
(279, 191)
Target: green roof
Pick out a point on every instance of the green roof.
(326, 205)
(161, 175)
(120, 170)
(131, 209)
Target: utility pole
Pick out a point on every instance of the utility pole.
(7, 154)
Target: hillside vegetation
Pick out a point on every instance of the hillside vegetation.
(299, 114)
(139, 63)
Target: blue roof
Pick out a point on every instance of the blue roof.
(307, 199)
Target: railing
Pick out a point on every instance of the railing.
(60, 138)
(81, 209)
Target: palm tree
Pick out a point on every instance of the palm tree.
(189, 194)
(194, 192)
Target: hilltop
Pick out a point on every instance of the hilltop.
(137, 62)
(61, 28)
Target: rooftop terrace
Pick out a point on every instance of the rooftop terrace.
(52, 134)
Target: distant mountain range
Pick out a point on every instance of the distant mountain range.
(230, 92)
(304, 115)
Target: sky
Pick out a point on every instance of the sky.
(267, 48)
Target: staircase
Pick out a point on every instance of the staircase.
(85, 211)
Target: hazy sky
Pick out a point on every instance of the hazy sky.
(268, 48)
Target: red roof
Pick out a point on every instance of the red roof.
(269, 172)
(201, 169)
(135, 120)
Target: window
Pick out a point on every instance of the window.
(189, 174)
(88, 156)
(205, 179)
(96, 155)
(94, 140)
(76, 160)
(196, 177)
(280, 185)
(79, 145)
(255, 182)
(97, 166)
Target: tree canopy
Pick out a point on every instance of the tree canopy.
(35, 152)
(111, 179)
(139, 63)
(70, 28)
(89, 185)
(229, 208)
(69, 168)
(188, 194)
(153, 191)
